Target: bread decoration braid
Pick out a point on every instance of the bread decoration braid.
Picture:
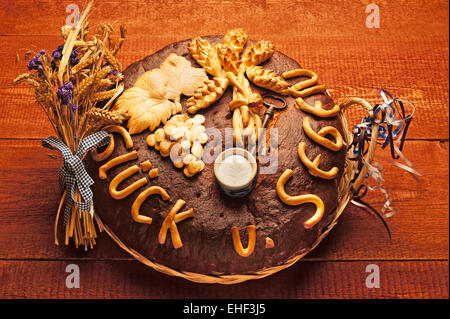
(243, 97)
(257, 53)
(235, 39)
(267, 79)
(216, 60)
(207, 94)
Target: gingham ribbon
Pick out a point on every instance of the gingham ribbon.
(73, 173)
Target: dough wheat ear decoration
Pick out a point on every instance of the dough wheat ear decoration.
(267, 79)
(245, 122)
(211, 90)
(300, 199)
(208, 57)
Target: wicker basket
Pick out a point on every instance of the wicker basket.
(344, 196)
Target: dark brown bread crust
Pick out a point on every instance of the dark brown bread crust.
(207, 242)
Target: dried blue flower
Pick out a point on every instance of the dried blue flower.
(73, 60)
(57, 53)
(64, 92)
(36, 64)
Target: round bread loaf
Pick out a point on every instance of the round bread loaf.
(207, 240)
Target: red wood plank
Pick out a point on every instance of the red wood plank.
(188, 18)
(130, 279)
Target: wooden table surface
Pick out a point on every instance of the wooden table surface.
(408, 55)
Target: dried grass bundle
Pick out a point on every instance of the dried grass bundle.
(76, 85)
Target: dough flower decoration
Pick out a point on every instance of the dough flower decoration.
(155, 96)
(76, 85)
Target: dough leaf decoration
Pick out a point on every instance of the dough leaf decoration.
(182, 78)
(155, 96)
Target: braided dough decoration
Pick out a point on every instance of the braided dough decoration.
(257, 53)
(243, 96)
(300, 199)
(317, 109)
(235, 39)
(267, 79)
(141, 198)
(207, 94)
(129, 189)
(98, 157)
(251, 230)
(116, 161)
(170, 222)
(320, 136)
(313, 166)
(252, 130)
(208, 57)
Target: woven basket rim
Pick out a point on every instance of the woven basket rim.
(344, 196)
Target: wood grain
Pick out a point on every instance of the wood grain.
(306, 279)
(271, 18)
(408, 55)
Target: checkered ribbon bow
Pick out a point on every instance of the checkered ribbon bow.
(73, 173)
